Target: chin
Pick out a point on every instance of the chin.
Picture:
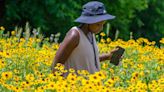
(96, 32)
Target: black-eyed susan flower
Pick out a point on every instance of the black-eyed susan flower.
(71, 70)
(162, 41)
(109, 83)
(108, 40)
(102, 40)
(52, 85)
(102, 34)
(94, 78)
(86, 82)
(30, 77)
(2, 64)
(6, 75)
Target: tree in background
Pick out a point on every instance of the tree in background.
(52, 16)
(149, 22)
(124, 10)
(2, 10)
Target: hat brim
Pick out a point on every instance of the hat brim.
(94, 19)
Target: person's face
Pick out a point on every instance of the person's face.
(96, 27)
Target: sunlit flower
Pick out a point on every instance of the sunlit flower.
(30, 77)
(13, 33)
(109, 83)
(25, 66)
(6, 75)
(71, 70)
(162, 41)
(2, 28)
(102, 34)
(94, 78)
(102, 40)
(2, 64)
(108, 40)
(104, 65)
(52, 85)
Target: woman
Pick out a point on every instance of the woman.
(79, 49)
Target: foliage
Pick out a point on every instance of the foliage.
(150, 24)
(142, 17)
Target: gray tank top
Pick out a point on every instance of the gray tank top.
(85, 56)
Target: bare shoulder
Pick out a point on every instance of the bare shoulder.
(69, 43)
(73, 33)
(72, 37)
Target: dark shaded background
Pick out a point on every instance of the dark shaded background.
(145, 18)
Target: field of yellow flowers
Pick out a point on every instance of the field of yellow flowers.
(25, 66)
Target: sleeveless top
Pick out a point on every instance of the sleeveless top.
(85, 56)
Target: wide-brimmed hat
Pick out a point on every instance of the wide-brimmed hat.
(93, 12)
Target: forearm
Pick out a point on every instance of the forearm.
(104, 57)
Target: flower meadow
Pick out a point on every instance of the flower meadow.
(25, 66)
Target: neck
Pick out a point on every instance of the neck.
(84, 28)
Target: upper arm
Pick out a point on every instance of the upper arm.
(69, 43)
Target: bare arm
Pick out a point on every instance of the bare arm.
(66, 47)
(107, 56)
(104, 57)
